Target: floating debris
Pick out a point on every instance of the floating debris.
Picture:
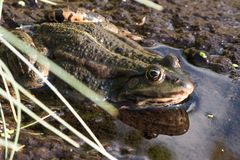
(211, 116)
(202, 54)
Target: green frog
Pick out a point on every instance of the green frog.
(121, 71)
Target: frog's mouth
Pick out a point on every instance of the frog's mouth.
(155, 99)
(169, 99)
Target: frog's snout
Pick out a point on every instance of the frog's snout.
(188, 85)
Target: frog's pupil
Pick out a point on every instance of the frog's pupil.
(154, 74)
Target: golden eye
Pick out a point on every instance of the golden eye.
(154, 73)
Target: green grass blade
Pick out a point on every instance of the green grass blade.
(54, 89)
(1, 6)
(11, 145)
(8, 93)
(40, 104)
(17, 95)
(36, 117)
(49, 2)
(150, 4)
(36, 122)
(5, 132)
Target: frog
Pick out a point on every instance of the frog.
(89, 47)
(116, 69)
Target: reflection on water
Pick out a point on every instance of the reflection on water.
(214, 131)
(152, 122)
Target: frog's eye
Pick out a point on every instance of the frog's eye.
(171, 61)
(155, 74)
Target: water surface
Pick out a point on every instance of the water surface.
(214, 131)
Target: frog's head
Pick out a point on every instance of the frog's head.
(159, 85)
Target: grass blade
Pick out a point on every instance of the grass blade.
(1, 5)
(5, 132)
(100, 149)
(151, 4)
(59, 72)
(36, 117)
(11, 145)
(4, 68)
(45, 124)
(54, 89)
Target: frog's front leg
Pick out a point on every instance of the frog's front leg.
(21, 72)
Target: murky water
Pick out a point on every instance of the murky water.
(215, 124)
(214, 132)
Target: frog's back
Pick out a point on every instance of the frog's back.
(71, 35)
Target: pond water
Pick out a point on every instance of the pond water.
(218, 97)
(214, 131)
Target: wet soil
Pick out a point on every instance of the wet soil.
(211, 27)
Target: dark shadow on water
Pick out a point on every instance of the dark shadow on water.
(152, 122)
